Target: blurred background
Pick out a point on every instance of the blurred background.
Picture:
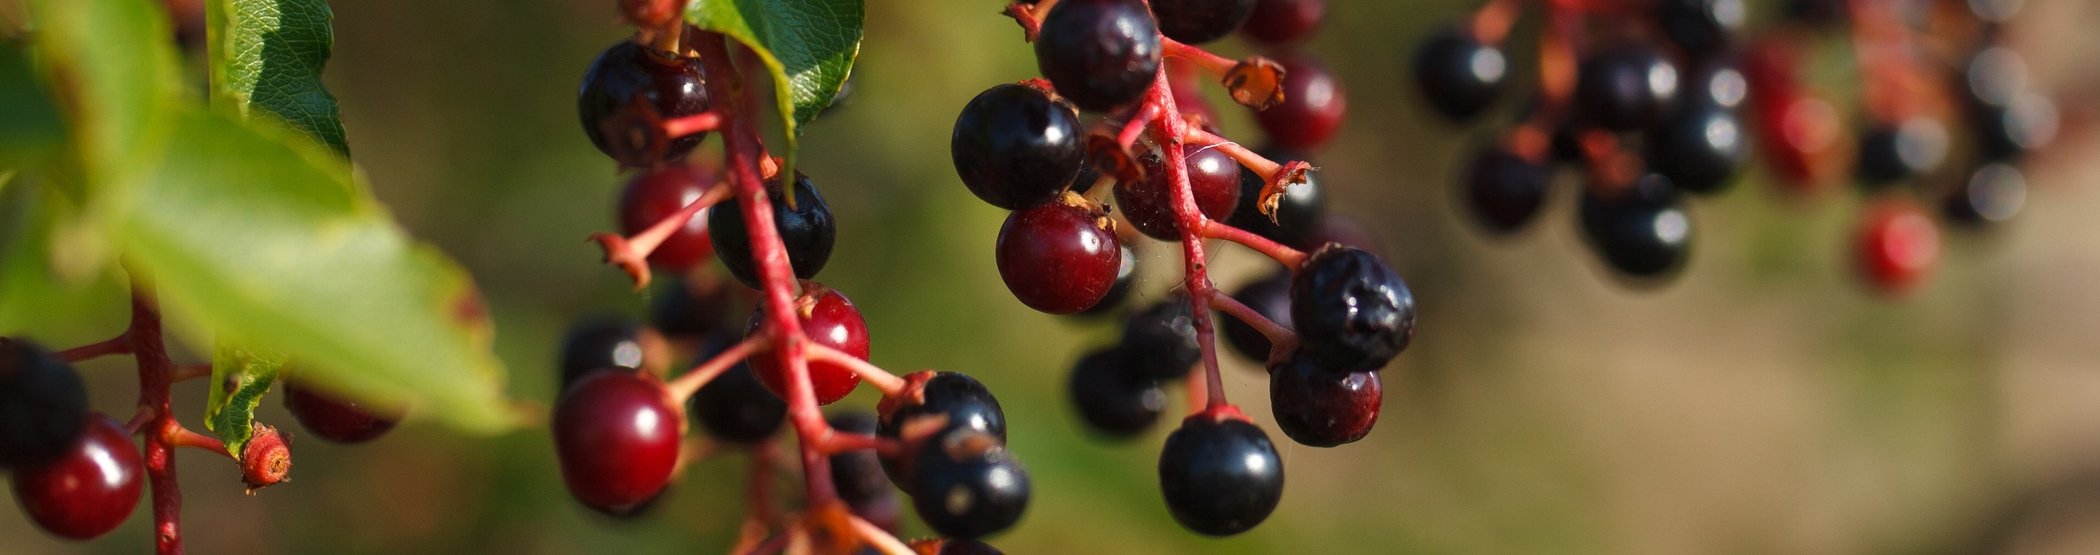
(1765, 403)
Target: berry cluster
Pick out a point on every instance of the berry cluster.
(1329, 319)
(1656, 100)
(620, 425)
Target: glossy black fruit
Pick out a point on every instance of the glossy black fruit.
(1626, 88)
(806, 229)
(42, 405)
(1642, 232)
(1297, 215)
(1113, 396)
(1351, 311)
(1220, 476)
(968, 484)
(1503, 191)
(1911, 148)
(958, 399)
(2006, 133)
(1099, 54)
(1269, 297)
(1161, 339)
(628, 79)
(858, 474)
(1200, 21)
(599, 343)
(1701, 27)
(1015, 147)
(1993, 193)
(1700, 148)
(734, 406)
(1459, 75)
(1321, 407)
(694, 307)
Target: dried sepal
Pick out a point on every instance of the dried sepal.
(1291, 173)
(1257, 83)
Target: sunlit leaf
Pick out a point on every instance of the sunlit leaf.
(267, 55)
(808, 46)
(239, 378)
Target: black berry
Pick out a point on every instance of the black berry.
(1701, 27)
(599, 343)
(858, 474)
(1269, 297)
(806, 230)
(1992, 194)
(1015, 147)
(628, 79)
(1161, 339)
(1221, 476)
(693, 307)
(1894, 152)
(1200, 21)
(1298, 213)
(735, 407)
(1458, 74)
(1700, 148)
(1321, 407)
(1503, 191)
(1351, 311)
(1099, 54)
(1643, 231)
(1113, 396)
(1626, 88)
(42, 404)
(968, 485)
(959, 399)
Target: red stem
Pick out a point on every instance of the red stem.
(184, 437)
(187, 372)
(685, 385)
(1173, 128)
(1290, 257)
(119, 345)
(155, 372)
(1213, 63)
(889, 384)
(1278, 335)
(878, 538)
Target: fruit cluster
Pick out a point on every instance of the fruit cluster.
(1330, 318)
(621, 422)
(1657, 100)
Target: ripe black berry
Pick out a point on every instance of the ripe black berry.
(1099, 54)
(1992, 194)
(858, 474)
(806, 229)
(1321, 407)
(617, 436)
(1312, 108)
(1200, 21)
(627, 79)
(1626, 88)
(2007, 132)
(1893, 152)
(1015, 147)
(1642, 232)
(967, 485)
(1269, 297)
(659, 193)
(1350, 310)
(1284, 21)
(599, 343)
(1700, 148)
(90, 487)
(1161, 339)
(693, 307)
(336, 419)
(960, 400)
(1297, 214)
(1113, 396)
(735, 407)
(1504, 191)
(1059, 258)
(1148, 203)
(1459, 75)
(1701, 27)
(1126, 274)
(42, 404)
(1221, 476)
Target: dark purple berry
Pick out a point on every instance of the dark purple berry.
(1099, 54)
(1113, 396)
(1642, 232)
(1992, 194)
(1161, 340)
(601, 343)
(957, 400)
(968, 485)
(1299, 212)
(1321, 407)
(1626, 88)
(1701, 27)
(629, 80)
(806, 229)
(1200, 21)
(1269, 297)
(695, 306)
(1284, 21)
(1059, 258)
(1700, 148)
(1214, 179)
(42, 404)
(1459, 75)
(734, 406)
(1503, 191)
(1015, 147)
(1351, 311)
(1221, 475)
(336, 419)
(90, 487)
(858, 474)
(1895, 152)
(1313, 105)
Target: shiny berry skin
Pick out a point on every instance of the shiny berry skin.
(1700, 148)
(2006, 133)
(1148, 203)
(829, 320)
(960, 399)
(1126, 274)
(968, 485)
(1643, 232)
(599, 343)
(1113, 396)
(1459, 75)
(1161, 339)
(42, 404)
(617, 436)
(1269, 297)
(90, 488)
(660, 193)
(734, 407)
(1059, 258)
(1200, 21)
(1299, 212)
(624, 80)
(1015, 147)
(1897, 246)
(1503, 191)
(693, 307)
(1099, 54)
(806, 229)
(1626, 88)
(1312, 108)
(1221, 476)
(1284, 21)
(1992, 194)
(1320, 407)
(1701, 27)
(858, 474)
(336, 419)
(1351, 311)
(1912, 148)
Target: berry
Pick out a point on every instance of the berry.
(1126, 274)
(1148, 203)
(1890, 153)
(1113, 396)
(806, 230)
(1099, 54)
(1059, 258)
(617, 436)
(1993, 193)
(1350, 310)
(1312, 108)
(1347, 231)
(1700, 148)
(629, 79)
(1221, 476)
(1161, 339)
(1716, 83)
(42, 403)
(1015, 147)
(1701, 27)
(90, 488)
(1200, 21)
(858, 474)
(600, 343)
(1897, 246)
(1503, 190)
(2005, 133)
(1300, 210)
(1321, 407)
(829, 320)
(1284, 21)
(337, 419)
(1459, 75)
(1626, 88)
(968, 485)
(735, 407)
(961, 400)
(693, 307)
(1269, 297)
(659, 193)
(1642, 232)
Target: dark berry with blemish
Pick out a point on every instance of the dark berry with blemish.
(1351, 311)
(1322, 407)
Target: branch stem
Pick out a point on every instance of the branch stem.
(119, 345)
(685, 385)
(889, 384)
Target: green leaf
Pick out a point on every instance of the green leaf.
(239, 378)
(266, 55)
(808, 46)
(33, 220)
(29, 122)
(112, 64)
(266, 239)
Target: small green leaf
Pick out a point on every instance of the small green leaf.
(239, 378)
(265, 238)
(808, 46)
(266, 55)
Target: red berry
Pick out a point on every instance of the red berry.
(829, 320)
(88, 490)
(657, 194)
(1312, 108)
(1282, 21)
(617, 435)
(1897, 246)
(1149, 203)
(621, 90)
(1059, 258)
(1322, 407)
(336, 419)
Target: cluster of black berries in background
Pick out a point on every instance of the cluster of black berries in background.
(1651, 117)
